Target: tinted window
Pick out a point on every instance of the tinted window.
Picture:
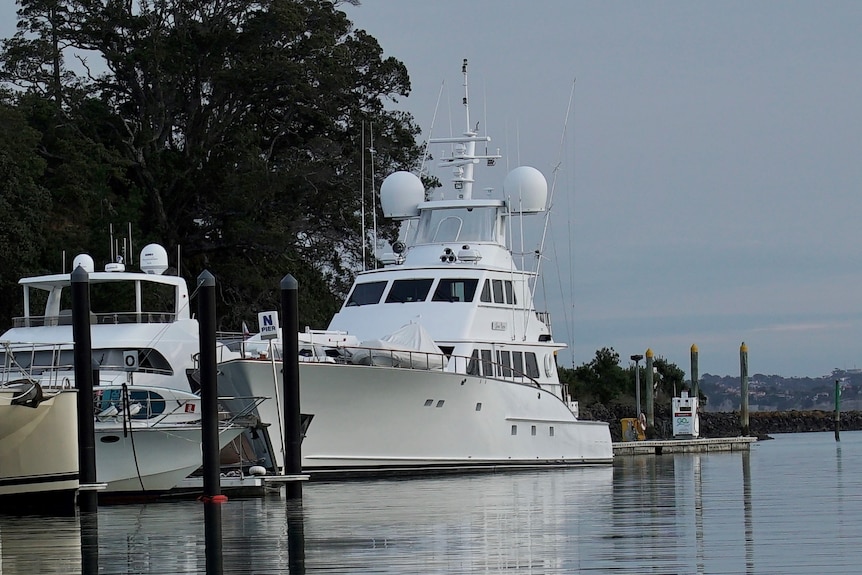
(505, 359)
(510, 295)
(518, 363)
(365, 294)
(487, 364)
(498, 291)
(486, 291)
(473, 364)
(403, 291)
(532, 365)
(455, 290)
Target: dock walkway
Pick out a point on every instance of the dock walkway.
(692, 445)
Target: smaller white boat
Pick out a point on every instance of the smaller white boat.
(35, 473)
(148, 439)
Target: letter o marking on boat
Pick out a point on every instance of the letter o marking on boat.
(130, 360)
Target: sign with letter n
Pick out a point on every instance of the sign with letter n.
(268, 323)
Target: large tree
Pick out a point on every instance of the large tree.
(233, 129)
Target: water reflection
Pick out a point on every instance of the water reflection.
(790, 506)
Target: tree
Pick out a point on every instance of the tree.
(602, 378)
(229, 128)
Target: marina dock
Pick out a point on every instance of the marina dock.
(692, 445)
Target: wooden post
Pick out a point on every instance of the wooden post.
(743, 377)
(694, 373)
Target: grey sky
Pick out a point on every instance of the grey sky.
(710, 185)
(709, 190)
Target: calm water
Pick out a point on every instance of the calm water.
(792, 505)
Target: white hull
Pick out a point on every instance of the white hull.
(388, 419)
(28, 463)
(154, 459)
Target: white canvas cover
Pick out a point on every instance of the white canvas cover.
(409, 346)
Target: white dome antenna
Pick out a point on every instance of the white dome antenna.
(527, 189)
(154, 259)
(85, 261)
(400, 195)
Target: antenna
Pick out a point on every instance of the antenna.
(362, 192)
(111, 239)
(373, 192)
(131, 249)
(466, 104)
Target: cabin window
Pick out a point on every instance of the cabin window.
(429, 402)
(518, 363)
(366, 294)
(533, 430)
(455, 290)
(151, 402)
(487, 364)
(531, 364)
(486, 291)
(514, 430)
(440, 403)
(551, 431)
(479, 406)
(504, 358)
(498, 291)
(473, 364)
(405, 291)
(149, 360)
(510, 293)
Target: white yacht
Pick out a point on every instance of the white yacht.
(145, 345)
(437, 360)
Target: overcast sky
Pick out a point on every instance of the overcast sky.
(709, 188)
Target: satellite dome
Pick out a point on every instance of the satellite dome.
(400, 195)
(154, 259)
(85, 261)
(527, 189)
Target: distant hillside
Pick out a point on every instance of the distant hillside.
(777, 393)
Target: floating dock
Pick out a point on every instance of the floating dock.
(238, 486)
(682, 445)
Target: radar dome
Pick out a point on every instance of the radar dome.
(400, 195)
(154, 259)
(527, 189)
(85, 261)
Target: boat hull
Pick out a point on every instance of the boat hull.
(387, 419)
(39, 452)
(150, 460)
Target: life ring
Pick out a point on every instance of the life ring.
(642, 421)
(549, 362)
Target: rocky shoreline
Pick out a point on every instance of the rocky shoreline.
(727, 424)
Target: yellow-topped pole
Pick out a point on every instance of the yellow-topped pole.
(694, 374)
(743, 378)
(650, 412)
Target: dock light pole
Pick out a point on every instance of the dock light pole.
(650, 402)
(637, 358)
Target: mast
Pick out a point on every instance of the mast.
(464, 157)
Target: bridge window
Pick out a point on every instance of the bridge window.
(455, 290)
(405, 291)
(532, 364)
(365, 294)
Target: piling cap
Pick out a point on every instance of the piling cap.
(693, 348)
(289, 282)
(649, 353)
(743, 348)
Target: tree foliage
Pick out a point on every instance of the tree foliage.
(228, 130)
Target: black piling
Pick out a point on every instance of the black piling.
(290, 384)
(209, 391)
(743, 378)
(87, 498)
(837, 410)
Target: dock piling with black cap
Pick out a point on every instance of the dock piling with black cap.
(87, 498)
(290, 384)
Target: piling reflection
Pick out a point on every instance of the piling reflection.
(213, 538)
(295, 536)
(89, 526)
